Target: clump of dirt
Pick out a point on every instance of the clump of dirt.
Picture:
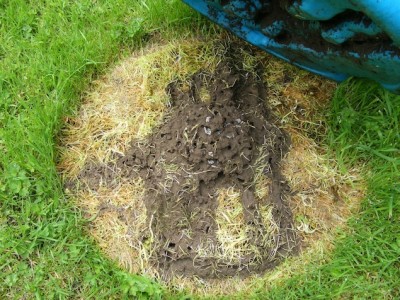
(212, 139)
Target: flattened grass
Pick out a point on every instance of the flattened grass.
(130, 101)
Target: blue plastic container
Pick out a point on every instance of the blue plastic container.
(334, 38)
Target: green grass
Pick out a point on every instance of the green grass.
(50, 50)
(363, 127)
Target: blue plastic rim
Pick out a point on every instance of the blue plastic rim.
(336, 39)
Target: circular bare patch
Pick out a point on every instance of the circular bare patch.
(188, 176)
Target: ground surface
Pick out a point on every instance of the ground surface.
(202, 173)
(203, 147)
(50, 53)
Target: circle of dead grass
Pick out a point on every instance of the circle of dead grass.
(130, 101)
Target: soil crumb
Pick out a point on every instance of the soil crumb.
(218, 135)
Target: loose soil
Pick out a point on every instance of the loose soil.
(212, 139)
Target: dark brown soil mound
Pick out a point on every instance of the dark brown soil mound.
(201, 148)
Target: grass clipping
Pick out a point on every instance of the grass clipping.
(130, 101)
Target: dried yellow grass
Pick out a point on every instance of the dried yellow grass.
(324, 198)
(232, 231)
(119, 223)
(130, 101)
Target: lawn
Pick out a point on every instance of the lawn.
(50, 51)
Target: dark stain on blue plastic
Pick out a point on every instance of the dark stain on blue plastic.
(337, 39)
